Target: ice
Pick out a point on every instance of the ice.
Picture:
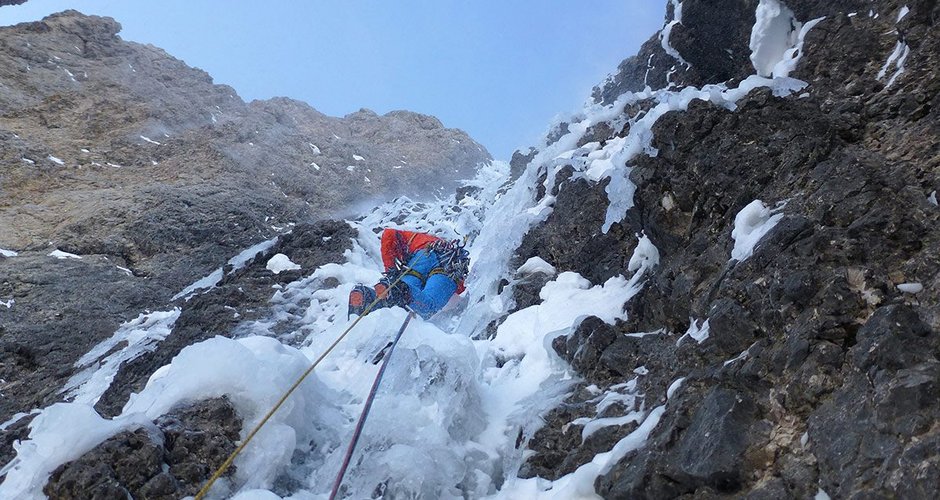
(8, 253)
(698, 332)
(911, 287)
(536, 265)
(903, 12)
(932, 199)
(59, 254)
(821, 495)
(8, 303)
(55, 160)
(792, 55)
(898, 57)
(279, 263)
(27, 160)
(358, 158)
(237, 262)
(253, 372)
(774, 33)
(750, 225)
(674, 386)
(667, 32)
(151, 141)
(351, 168)
(314, 148)
(314, 165)
(98, 367)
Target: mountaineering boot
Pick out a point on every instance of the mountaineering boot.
(359, 299)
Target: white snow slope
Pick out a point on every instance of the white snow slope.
(453, 402)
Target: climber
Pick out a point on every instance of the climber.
(432, 270)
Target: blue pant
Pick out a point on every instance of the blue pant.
(431, 294)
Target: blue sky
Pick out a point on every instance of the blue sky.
(499, 69)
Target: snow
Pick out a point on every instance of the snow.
(351, 168)
(775, 32)
(8, 253)
(897, 58)
(55, 160)
(750, 225)
(698, 332)
(932, 199)
(59, 254)
(821, 495)
(314, 165)
(27, 160)
(314, 148)
(279, 263)
(646, 255)
(358, 158)
(911, 287)
(536, 265)
(98, 367)
(151, 141)
(7, 303)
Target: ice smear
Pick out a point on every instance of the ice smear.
(903, 12)
(59, 254)
(699, 332)
(8, 253)
(897, 59)
(279, 263)
(750, 225)
(237, 262)
(141, 336)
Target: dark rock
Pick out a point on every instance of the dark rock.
(170, 460)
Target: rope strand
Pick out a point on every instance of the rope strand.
(231, 458)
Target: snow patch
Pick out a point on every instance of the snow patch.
(903, 12)
(279, 263)
(750, 225)
(932, 199)
(698, 332)
(57, 161)
(59, 254)
(911, 287)
(8, 253)
(7, 303)
(358, 158)
(645, 255)
(151, 141)
(897, 58)
(536, 265)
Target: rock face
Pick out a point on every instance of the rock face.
(818, 372)
(121, 155)
(173, 459)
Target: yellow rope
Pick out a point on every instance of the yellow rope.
(231, 458)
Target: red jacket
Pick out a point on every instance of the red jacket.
(399, 244)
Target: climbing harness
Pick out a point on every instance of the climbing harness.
(368, 406)
(231, 458)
